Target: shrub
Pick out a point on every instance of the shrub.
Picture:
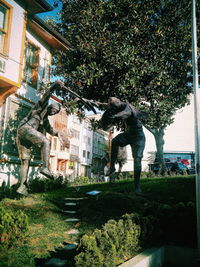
(39, 185)
(169, 223)
(13, 225)
(81, 180)
(7, 191)
(115, 242)
(124, 175)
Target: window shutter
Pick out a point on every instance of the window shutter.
(35, 69)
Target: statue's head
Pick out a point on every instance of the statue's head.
(114, 102)
(53, 109)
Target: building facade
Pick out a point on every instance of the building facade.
(25, 59)
(86, 148)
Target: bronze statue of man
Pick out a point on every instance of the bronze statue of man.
(133, 134)
(30, 133)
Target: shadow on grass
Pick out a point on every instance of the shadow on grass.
(118, 199)
(60, 256)
(114, 201)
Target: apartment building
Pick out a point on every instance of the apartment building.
(59, 156)
(100, 151)
(86, 148)
(74, 130)
(26, 43)
(87, 152)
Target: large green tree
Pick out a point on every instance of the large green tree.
(136, 50)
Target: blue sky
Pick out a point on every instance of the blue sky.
(52, 13)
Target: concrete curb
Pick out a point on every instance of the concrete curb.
(157, 257)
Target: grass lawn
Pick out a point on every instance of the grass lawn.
(48, 230)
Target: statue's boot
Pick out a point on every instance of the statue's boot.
(47, 173)
(22, 190)
(139, 193)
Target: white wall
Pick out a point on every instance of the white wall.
(13, 61)
(10, 171)
(25, 90)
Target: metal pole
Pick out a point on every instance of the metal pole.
(197, 115)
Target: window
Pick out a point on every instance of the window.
(84, 153)
(61, 165)
(71, 165)
(85, 125)
(74, 150)
(5, 14)
(89, 141)
(75, 133)
(75, 119)
(31, 63)
(62, 148)
(88, 154)
(85, 139)
(55, 143)
(50, 139)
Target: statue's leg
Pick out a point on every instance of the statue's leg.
(45, 152)
(24, 155)
(23, 177)
(119, 141)
(39, 140)
(137, 173)
(137, 146)
(113, 155)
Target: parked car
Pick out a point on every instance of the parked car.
(173, 167)
(191, 170)
(179, 168)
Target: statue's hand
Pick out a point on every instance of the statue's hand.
(56, 85)
(64, 140)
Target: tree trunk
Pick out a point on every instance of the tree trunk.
(159, 138)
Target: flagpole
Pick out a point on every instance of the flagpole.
(196, 90)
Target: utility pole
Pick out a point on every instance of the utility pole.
(196, 90)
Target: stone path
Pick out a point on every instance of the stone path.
(61, 257)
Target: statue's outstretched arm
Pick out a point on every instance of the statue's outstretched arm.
(122, 114)
(49, 128)
(96, 103)
(45, 98)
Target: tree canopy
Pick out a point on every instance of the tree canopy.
(138, 51)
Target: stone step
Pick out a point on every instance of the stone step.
(72, 220)
(70, 211)
(73, 232)
(70, 204)
(75, 198)
(70, 246)
(56, 262)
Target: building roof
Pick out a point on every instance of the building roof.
(46, 32)
(35, 6)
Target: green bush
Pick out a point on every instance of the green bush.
(7, 191)
(39, 185)
(13, 225)
(169, 223)
(81, 180)
(115, 242)
(124, 175)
